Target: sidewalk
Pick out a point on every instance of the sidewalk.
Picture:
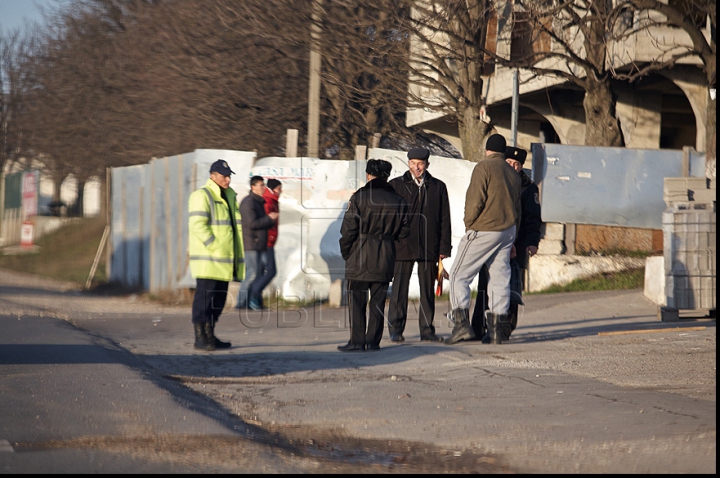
(589, 383)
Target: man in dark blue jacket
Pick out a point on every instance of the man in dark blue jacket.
(525, 246)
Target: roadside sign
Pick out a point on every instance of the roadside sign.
(26, 234)
(29, 194)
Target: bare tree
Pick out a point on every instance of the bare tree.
(568, 39)
(13, 137)
(364, 65)
(696, 19)
(365, 73)
(451, 48)
(64, 100)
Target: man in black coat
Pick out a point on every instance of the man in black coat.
(255, 226)
(524, 247)
(376, 217)
(429, 241)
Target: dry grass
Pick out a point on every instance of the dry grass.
(66, 254)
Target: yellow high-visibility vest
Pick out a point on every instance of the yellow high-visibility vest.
(210, 242)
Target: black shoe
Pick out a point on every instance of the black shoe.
(373, 347)
(349, 347)
(397, 338)
(214, 342)
(219, 344)
(432, 338)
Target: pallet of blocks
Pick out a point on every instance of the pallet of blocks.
(689, 228)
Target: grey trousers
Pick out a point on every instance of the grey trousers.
(475, 249)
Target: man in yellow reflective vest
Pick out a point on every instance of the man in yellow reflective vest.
(216, 252)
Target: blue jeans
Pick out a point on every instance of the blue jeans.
(260, 270)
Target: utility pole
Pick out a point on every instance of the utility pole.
(313, 138)
(514, 114)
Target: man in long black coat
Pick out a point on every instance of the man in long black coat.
(375, 219)
(429, 241)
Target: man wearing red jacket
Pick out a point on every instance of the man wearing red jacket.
(272, 196)
(268, 268)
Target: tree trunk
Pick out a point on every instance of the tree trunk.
(57, 185)
(78, 208)
(602, 127)
(473, 133)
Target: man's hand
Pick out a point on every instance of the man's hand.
(532, 250)
(445, 274)
(274, 215)
(513, 252)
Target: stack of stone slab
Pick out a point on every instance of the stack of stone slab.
(689, 225)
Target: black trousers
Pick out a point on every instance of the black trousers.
(374, 321)
(209, 300)
(427, 275)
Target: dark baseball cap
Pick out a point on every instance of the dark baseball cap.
(221, 166)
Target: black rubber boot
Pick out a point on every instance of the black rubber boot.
(200, 337)
(212, 340)
(494, 334)
(462, 329)
(504, 327)
(477, 322)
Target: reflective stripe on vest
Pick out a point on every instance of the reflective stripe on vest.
(215, 259)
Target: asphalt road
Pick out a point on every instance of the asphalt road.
(70, 403)
(590, 383)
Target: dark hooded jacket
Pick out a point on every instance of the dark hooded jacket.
(376, 217)
(428, 217)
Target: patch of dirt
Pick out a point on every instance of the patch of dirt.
(314, 450)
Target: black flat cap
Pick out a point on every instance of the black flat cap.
(419, 153)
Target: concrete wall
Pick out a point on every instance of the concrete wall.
(149, 233)
(549, 270)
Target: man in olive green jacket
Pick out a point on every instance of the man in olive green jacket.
(492, 218)
(216, 252)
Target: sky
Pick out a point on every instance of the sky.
(13, 12)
